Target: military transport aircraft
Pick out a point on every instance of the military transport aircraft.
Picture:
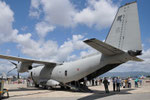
(122, 44)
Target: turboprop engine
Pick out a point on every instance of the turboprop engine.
(24, 67)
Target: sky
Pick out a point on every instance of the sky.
(54, 30)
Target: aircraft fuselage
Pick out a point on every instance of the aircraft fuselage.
(76, 70)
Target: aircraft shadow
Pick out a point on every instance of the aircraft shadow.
(94, 95)
(29, 89)
(101, 94)
(29, 94)
(25, 89)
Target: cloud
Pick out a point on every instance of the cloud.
(136, 66)
(66, 49)
(98, 13)
(43, 28)
(88, 52)
(49, 50)
(35, 5)
(7, 33)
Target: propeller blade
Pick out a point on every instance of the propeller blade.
(11, 70)
(14, 64)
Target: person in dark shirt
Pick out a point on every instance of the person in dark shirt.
(118, 84)
(114, 84)
(106, 83)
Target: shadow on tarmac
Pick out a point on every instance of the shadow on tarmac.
(36, 89)
(28, 89)
(101, 94)
(95, 94)
(25, 89)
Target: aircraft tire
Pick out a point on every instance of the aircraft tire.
(37, 85)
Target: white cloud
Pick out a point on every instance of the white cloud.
(7, 33)
(98, 13)
(49, 50)
(76, 43)
(136, 66)
(35, 5)
(88, 52)
(59, 12)
(43, 28)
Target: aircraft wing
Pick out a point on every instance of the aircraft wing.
(103, 47)
(27, 60)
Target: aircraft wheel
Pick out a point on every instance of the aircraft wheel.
(68, 88)
(62, 87)
(50, 88)
(37, 85)
(44, 87)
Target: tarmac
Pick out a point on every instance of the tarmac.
(21, 91)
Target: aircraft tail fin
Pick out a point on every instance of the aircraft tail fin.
(125, 31)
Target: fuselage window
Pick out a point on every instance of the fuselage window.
(65, 72)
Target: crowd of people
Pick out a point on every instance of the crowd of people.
(118, 83)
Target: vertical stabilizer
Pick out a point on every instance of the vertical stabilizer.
(125, 31)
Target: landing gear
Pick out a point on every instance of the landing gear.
(77, 86)
(36, 85)
(44, 87)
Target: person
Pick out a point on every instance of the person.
(118, 84)
(140, 81)
(100, 81)
(93, 82)
(136, 82)
(129, 82)
(126, 83)
(114, 84)
(96, 82)
(106, 83)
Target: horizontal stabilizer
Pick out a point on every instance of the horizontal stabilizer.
(137, 59)
(103, 47)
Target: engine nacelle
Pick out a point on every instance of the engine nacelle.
(52, 82)
(24, 67)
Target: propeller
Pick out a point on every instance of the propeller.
(18, 76)
(11, 70)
